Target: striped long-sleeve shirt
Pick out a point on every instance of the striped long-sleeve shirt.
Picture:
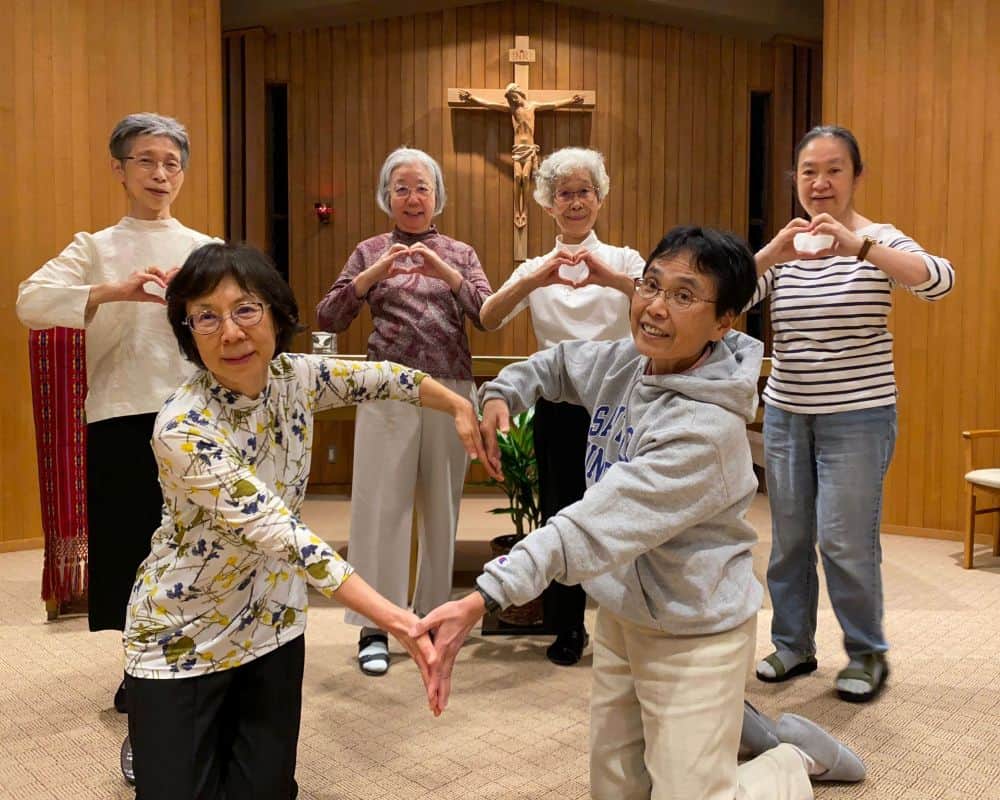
(832, 346)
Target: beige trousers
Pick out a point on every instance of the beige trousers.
(404, 457)
(666, 714)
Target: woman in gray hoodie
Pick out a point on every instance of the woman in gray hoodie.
(659, 539)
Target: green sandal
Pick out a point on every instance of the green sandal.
(783, 673)
(873, 672)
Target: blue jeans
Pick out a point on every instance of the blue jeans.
(824, 483)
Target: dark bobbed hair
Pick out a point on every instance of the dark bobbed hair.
(723, 256)
(206, 267)
(835, 132)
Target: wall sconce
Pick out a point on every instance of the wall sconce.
(323, 212)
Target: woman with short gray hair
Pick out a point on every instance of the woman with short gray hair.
(421, 287)
(112, 283)
(580, 290)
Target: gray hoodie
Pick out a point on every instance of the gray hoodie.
(659, 537)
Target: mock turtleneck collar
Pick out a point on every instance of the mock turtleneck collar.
(136, 224)
(588, 244)
(412, 238)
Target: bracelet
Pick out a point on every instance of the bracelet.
(492, 606)
(865, 247)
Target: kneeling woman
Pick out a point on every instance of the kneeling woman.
(214, 632)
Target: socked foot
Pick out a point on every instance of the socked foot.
(832, 759)
(784, 664)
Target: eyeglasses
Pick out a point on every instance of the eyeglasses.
(146, 164)
(564, 196)
(682, 298)
(423, 190)
(246, 315)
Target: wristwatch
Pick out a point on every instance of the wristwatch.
(492, 606)
(865, 247)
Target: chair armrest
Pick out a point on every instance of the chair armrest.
(982, 433)
(970, 438)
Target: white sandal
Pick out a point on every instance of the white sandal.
(373, 654)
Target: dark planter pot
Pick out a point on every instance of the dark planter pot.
(532, 612)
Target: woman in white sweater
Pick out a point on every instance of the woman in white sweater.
(579, 290)
(112, 282)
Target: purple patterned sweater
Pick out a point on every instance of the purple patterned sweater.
(418, 320)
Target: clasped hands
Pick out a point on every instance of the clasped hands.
(448, 625)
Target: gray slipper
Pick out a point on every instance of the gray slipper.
(842, 763)
(759, 733)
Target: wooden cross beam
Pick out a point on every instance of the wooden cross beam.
(521, 102)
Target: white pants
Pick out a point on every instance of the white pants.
(666, 714)
(406, 455)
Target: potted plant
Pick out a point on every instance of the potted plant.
(520, 484)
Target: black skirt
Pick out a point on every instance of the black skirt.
(124, 506)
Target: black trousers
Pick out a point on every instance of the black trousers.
(561, 447)
(124, 504)
(229, 735)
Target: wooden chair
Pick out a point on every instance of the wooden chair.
(983, 481)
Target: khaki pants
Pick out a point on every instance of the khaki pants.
(666, 713)
(403, 455)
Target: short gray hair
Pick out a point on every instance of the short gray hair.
(147, 124)
(564, 162)
(403, 156)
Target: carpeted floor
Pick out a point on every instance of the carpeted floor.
(517, 725)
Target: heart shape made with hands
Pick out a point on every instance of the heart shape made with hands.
(577, 271)
(408, 262)
(153, 288)
(812, 243)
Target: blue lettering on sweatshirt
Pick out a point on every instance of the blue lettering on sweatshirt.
(600, 457)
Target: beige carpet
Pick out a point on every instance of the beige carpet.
(517, 725)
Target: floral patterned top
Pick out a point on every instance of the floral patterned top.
(225, 581)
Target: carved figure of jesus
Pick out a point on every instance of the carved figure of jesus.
(524, 151)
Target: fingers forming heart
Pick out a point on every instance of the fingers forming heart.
(408, 262)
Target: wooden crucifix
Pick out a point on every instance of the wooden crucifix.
(521, 103)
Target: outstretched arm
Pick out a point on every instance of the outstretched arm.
(468, 97)
(575, 100)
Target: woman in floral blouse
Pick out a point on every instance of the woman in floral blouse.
(214, 632)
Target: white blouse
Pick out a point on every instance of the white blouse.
(559, 313)
(133, 361)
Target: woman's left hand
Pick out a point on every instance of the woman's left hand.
(600, 274)
(845, 241)
(435, 267)
(421, 650)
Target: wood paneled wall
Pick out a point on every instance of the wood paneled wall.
(916, 81)
(70, 69)
(671, 118)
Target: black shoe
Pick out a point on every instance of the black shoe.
(567, 649)
(128, 772)
(120, 696)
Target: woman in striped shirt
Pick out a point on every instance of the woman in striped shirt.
(830, 409)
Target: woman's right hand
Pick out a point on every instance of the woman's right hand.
(378, 271)
(548, 273)
(781, 249)
(496, 417)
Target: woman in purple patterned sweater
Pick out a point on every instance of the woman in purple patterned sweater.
(420, 286)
